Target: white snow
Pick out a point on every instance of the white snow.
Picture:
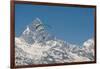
(26, 31)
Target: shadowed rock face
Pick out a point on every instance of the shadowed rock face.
(37, 46)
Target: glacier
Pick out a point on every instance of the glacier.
(37, 46)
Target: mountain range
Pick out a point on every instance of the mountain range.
(36, 46)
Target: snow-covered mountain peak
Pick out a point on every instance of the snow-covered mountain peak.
(37, 22)
(88, 43)
(38, 19)
(36, 25)
(35, 32)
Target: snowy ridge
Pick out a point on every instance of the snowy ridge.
(37, 46)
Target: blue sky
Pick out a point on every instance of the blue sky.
(72, 24)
